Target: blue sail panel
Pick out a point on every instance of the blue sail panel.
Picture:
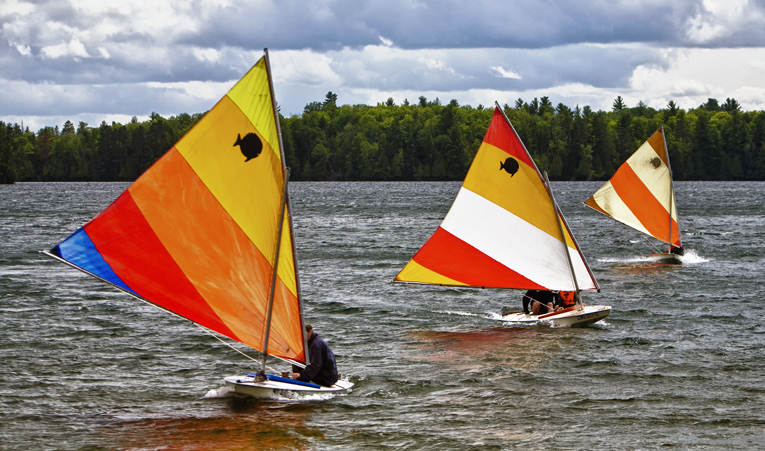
(80, 251)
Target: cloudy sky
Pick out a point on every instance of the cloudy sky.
(96, 60)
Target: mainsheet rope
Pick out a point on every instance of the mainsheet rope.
(651, 244)
(229, 345)
(538, 302)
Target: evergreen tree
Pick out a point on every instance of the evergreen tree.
(619, 104)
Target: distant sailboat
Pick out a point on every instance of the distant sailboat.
(505, 230)
(641, 195)
(206, 233)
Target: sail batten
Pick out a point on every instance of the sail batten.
(197, 233)
(640, 193)
(503, 229)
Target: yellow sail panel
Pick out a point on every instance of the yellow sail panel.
(416, 273)
(252, 94)
(254, 201)
(287, 266)
(489, 179)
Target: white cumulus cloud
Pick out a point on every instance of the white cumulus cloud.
(504, 73)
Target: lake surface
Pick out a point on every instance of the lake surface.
(679, 364)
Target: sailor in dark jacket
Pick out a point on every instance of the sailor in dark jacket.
(539, 301)
(323, 369)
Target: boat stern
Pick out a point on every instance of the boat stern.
(582, 318)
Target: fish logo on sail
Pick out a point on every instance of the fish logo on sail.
(250, 145)
(656, 162)
(510, 166)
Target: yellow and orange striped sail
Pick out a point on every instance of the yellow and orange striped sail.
(640, 193)
(197, 233)
(503, 229)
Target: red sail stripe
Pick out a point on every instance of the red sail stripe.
(646, 208)
(501, 135)
(451, 257)
(122, 235)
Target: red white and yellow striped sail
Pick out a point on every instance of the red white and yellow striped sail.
(502, 230)
(197, 233)
(640, 193)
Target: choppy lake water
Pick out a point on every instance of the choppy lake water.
(679, 364)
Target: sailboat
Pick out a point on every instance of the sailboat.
(504, 230)
(641, 195)
(206, 234)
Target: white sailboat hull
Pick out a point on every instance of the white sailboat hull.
(579, 317)
(247, 385)
(666, 258)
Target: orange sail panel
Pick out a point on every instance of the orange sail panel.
(196, 234)
(502, 230)
(640, 193)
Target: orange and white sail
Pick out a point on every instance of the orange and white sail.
(640, 193)
(504, 229)
(197, 233)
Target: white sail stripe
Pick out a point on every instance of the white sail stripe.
(657, 180)
(513, 242)
(607, 198)
(583, 278)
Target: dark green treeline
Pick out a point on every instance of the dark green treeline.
(423, 141)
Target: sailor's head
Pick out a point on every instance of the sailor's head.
(308, 329)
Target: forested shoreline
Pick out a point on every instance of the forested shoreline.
(419, 141)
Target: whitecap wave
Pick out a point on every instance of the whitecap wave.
(692, 257)
(222, 392)
(451, 312)
(625, 261)
(494, 315)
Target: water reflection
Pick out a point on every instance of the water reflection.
(250, 425)
(516, 347)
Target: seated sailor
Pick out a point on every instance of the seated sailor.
(322, 368)
(539, 301)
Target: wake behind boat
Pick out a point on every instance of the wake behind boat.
(641, 195)
(206, 233)
(504, 230)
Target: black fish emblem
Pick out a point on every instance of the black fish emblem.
(510, 166)
(656, 162)
(250, 145)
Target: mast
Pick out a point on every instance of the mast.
(274, 274)
(671, 191)
(562, 237)
(546, 182)
(579, 249)
(285, 206)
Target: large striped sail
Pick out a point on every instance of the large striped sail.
(504, 229)
(197, 233)
(640, 193)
